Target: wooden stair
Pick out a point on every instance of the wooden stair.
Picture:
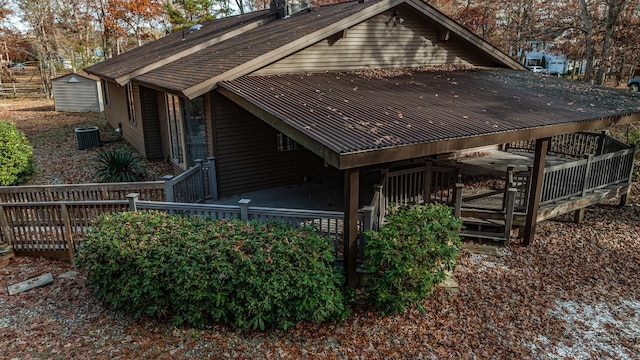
(484, 230)
(6, 254)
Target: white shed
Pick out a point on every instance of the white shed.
(77, 92)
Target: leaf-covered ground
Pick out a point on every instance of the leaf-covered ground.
(573, 294)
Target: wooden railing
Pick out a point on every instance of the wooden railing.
(196, 185)
(151, 190)
(578, 178)
(574, 144)
(327, 223)
(407, 186)
(51, 229)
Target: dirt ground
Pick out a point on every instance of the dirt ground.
(52, 135)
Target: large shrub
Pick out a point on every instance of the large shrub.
(119, 165)
(201, 270)
(410, 254)
(16, 155)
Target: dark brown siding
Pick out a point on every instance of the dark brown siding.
(150, 123)
(246, 153)
(378, 43)
(164, 127)
(116, 112)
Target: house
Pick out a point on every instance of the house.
(548, 60)
(338, 90)
(77, 92)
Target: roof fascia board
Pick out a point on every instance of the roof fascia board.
(330, 156)
(373, 157)
(466, 34)
(290, 48)
(192, 50)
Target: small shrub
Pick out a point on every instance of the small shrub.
(250, 275)
(410, 254)
(16, 155)
(119, 165)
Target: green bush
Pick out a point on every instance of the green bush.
(197, 271)
(119, 165)
(409, 255)
(16, 155)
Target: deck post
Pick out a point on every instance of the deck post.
(600, 146)
(213, 182)
(457, 200)
(578, 216)
(350, 235)
(168, 188)
(542, 146)
(68, 230)
(200, 189)
(133, 199)
(244, 209)
(508, 221)
(381, 206)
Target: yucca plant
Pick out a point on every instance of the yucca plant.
(119, 165)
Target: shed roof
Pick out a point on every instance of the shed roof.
(359, 119)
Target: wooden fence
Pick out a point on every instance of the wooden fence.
(151, 190)
(55, 229)
(407, 186)
(575, 144)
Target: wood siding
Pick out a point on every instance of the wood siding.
(246, 154)
(79, 94)
(378, 43)
(150, 123)
(116, 112)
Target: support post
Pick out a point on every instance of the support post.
(457, 200)
(578, 216)
(350, 235)
(168, 188)
(507, 186)
(244, 209)
(542, 146)
(587, 175)
(213, 180)
(382, 205)
(600, 146)
(133, 199)
(508, 221)
(369, 219)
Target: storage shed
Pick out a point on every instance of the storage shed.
(78, 92)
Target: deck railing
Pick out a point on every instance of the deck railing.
(327, 223)
(575, 144)
(196, 185)
(578, 178)
(407, 186)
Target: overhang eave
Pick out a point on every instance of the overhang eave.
(380, 156)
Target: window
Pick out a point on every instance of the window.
(131, 103)
(174, 119)
(187, 130)
(285, 143)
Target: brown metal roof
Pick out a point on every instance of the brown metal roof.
(362, 113)
(227, 48)
(170, 45)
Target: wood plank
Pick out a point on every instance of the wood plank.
(30, 284)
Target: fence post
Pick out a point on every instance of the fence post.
(68, 230)
(168, 188)
(4, 224)
(200, 187)
(382, 204)
(508, 184)
(527, 186)
(133, 198)
(457, 200)
(508, 221)
(213, 180)
(587, 175)
(244, 209)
